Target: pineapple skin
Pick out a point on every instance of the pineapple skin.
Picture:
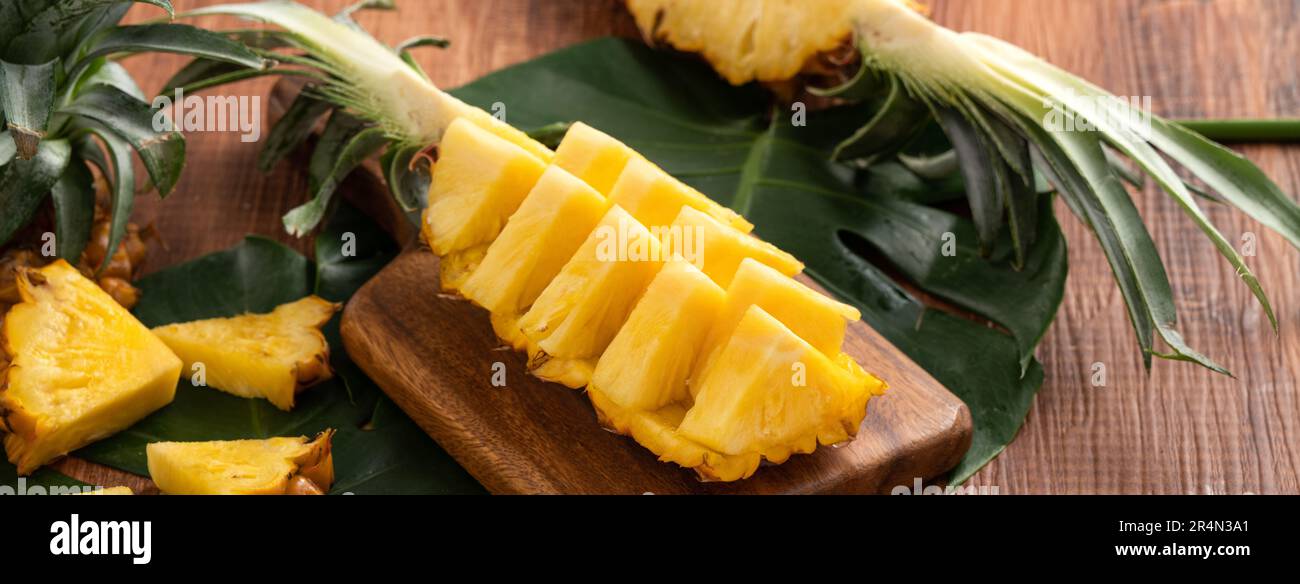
(274, 466)
(81, 367)
(274, 356)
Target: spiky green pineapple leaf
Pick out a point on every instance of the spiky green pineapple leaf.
(106, 72)
(36, 31)
(180, 39)
(74, 210)
(346, 142)
(27, 100)
(24, 184)
(114, 162)
(161, 151)
(293, 128)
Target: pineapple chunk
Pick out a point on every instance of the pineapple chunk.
(593, 156)
(478, 182)
(770, 393)
(579, 313)
(646, 365)
(540, 237)
(81, 368)
(655, 198)
(273, 355)
(815, 318)
(275, 466)
(499, 128)
(718, 249)
(110, 491)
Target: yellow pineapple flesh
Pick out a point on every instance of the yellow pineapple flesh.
(593, 156)
(110, 491)
(718, 249)
(581, 310)
(274, 355)
(80, 367)
(274, 466)
(771, 394)
(479, 181)
(655, 198)
(647, 364)
(550, 225)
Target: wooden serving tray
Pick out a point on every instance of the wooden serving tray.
(434, 354)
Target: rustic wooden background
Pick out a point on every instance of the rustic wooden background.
(1180, 429)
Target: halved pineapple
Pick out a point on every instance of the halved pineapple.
(655, 198)
(81, 368)
(646, 365)
(812, 316)
(770, 394)
(718, 249)
(550, 225)
(581, 310)
(274, 355)
(275, 466)
(593, 156)
(479, 181)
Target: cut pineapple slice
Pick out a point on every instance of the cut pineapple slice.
(273, 355)
(593, 156)
(81, 368)
(771, 393)
(718, 249)
(815, 318)
(540, 237)
(478, 182)
(655, 198)
(499, 128)
(579, 313)
(275, 466)
(646, 365)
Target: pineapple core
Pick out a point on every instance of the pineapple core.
(579, 313)
(275, 466)
(593, 156)
(272, 356)
(80, 367)
(478, 182)
(540, 237)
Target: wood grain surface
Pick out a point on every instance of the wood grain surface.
(1179, 429)
(434, 356)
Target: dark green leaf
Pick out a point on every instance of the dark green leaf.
(345, 144)
(292, 129)
(162, 151)
(25, 183)
(27, 99)
(897, 119)
(106, 72)
(180, 39)
(408, 176)
(980, 167)
(35, 31)
(423, 41)
(74, 211)
(122, 179)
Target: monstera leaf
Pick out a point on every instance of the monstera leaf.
(377, 448)
(864, 234)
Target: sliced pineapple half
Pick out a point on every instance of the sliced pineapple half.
(647, 364)
(274, 355)
(770, 394)
(549, 227)
(655, 198)
(81, 367)
(581, 310)
(718, 249)
(479, 181)
(593, 156)
(275, 466)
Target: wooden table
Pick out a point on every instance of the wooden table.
(1180, 429)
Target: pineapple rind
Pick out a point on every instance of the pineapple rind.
(81, 367)
(241, 467)
(274, 355)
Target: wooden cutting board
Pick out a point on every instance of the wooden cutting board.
(434, 355)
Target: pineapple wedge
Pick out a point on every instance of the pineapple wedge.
(655, 198)
(718, 249)
(593, 156)
(646, 365)
(550, 225)
(479, 181)
(81, 368)
(579, 313)
(273, 356)
(275, 466)
(770, 394)
(812, 316)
